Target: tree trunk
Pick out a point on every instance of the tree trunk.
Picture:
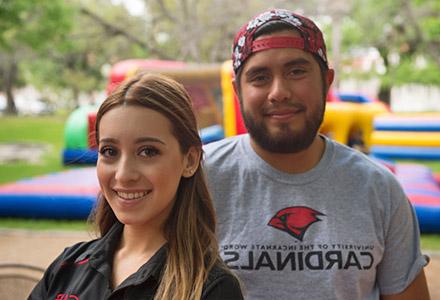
(76, 92)
(385, 94)
(9, 78)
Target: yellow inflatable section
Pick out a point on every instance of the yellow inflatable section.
(407, 138)
(229, 113)
(345, 120)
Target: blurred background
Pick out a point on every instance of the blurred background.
(60, 58)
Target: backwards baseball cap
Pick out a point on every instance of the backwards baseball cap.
(311, 39)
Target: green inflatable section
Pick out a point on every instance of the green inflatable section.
(76, 128)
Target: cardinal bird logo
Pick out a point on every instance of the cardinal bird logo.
(295, 220)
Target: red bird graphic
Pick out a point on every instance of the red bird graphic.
(295, 220)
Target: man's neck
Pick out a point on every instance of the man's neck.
(293, 163)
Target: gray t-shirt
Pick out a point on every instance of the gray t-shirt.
(343, 230)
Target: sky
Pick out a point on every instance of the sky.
(134, 7)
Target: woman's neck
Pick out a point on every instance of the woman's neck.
(136, 248)
(140, 240)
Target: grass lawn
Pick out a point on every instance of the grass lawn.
(430, 242)
(47, 130)
(32, 224)
(50, 130)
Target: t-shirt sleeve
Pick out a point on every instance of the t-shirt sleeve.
(402, 260)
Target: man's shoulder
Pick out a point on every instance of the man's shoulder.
(221, 148)
(354, 159)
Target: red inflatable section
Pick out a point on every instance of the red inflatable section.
(120, 70)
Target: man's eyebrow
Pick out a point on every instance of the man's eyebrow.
(254, 70)
(291, 63)
(298, 62)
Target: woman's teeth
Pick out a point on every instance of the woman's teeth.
(131, 196)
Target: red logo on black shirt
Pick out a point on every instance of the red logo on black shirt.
(66, 297)
(295, 220)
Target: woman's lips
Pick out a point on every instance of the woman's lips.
(130, 199)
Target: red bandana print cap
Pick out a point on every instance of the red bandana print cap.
(311, 39)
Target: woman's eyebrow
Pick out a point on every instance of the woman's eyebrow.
(137, 141)
(149, 139)
(108, 140)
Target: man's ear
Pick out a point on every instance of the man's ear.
(330, 76)
(191, 161)
(234, 85)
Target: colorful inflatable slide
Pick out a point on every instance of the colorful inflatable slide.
(407, 136)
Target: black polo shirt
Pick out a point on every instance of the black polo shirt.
(84, 272)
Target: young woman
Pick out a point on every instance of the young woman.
(155, 216)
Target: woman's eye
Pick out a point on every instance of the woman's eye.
(149, 151)
(108, 151)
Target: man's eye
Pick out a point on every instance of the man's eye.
(149, 151)
(259, 79)
(108, 151)
(297, 72)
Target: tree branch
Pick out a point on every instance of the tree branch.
(166, 13)
(113, 30)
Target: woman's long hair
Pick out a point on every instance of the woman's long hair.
(190, 227)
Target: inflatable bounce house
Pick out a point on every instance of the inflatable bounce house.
(407, 136)
(65, 195)
(351, 119)
(201, 81)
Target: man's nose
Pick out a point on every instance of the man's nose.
(280, 89)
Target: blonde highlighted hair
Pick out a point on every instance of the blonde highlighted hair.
(190, 227)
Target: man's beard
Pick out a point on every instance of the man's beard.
(287, 141)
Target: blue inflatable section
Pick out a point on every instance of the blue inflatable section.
(406, 152)
(429, 218)
(387, 125)
(211, 134)
(356, 98)
(47, 206)
(80, 156)
(72, 194)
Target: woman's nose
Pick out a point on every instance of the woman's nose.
(127, 170)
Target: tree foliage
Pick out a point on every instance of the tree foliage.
(406, 33)
(27, 30)
(99, 36)
(203, 30)
(59, 45)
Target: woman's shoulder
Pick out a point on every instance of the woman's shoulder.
(221, 284)
(79, 248)
(74, 253)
